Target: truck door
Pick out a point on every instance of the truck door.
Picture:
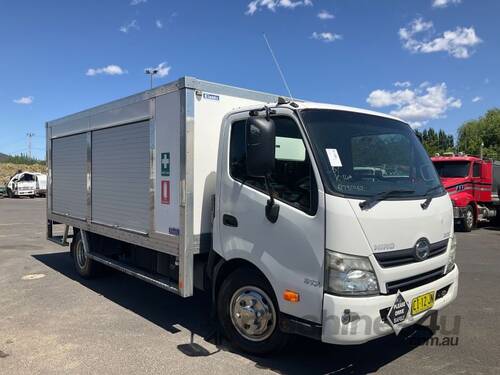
(289, 252)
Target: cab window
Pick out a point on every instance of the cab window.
(476, 172)
(293, 179)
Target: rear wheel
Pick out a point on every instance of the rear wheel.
(86, 267)
(468, 220)
(248, 313)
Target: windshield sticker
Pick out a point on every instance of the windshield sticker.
(333, 157)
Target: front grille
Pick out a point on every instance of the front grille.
(407, 256)
(414, 281)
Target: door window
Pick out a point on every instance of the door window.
(293, 179)
(477, 170)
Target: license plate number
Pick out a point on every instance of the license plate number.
(422, 303)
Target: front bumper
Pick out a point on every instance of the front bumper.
(459, 212)
(366, 323)
(24, 192)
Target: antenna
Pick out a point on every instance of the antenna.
(278, 66)
(29, 135)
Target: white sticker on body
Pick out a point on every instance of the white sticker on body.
(333, 157)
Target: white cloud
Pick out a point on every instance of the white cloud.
(159, 24)
(419, 37)
(418, 105)
(476, 99)
(24, 100)
(163, 70)
(137, 2)
(402, 84)
(129, 26)
(272, 5)
(325, 15)
(326, 37)
(444, 3)
(111, 70)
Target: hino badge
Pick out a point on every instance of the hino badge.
(298, 218)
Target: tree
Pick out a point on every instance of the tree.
(22, 159)
(486, 130)
(434, 143)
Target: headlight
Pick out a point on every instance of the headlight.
(452, 254)
(349, 275)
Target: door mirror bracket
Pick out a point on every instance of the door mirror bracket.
(260, 135)
(272, 209)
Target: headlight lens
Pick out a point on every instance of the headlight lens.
(349, 275)
(452, 254)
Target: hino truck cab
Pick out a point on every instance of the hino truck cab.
(342, 220)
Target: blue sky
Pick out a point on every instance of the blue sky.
(432, 62)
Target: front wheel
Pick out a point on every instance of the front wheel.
(248, 313)
(468, 220)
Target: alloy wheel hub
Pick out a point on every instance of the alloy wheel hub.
(252, 314)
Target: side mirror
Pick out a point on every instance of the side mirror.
(260, 157)
(260, 146)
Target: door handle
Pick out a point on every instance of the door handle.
(229, 220)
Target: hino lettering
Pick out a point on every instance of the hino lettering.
(296, 217)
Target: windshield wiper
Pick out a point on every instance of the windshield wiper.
(372, 201)
(428, 201)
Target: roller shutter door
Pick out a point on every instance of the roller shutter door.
(120, 176)
(69, 176)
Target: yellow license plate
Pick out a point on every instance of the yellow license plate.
(422, 303)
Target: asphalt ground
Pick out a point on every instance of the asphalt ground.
(53, 322)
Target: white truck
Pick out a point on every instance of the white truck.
(263, 202)
(29, 184)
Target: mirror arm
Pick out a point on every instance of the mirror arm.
(269, 188)
(272, 209)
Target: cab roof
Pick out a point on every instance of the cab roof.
(337, 107)
(467, 158)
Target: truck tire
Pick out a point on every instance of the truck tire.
(86, 268)
(9, 193)
(249, 314)
(468, 220)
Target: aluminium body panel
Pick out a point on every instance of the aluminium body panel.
(167, 163)
(120, 176)
(184, 119)
(69, 175)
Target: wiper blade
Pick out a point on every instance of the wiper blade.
(428, 201)
(370, 202)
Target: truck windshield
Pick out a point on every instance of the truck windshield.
(452, 169)
(362, 155)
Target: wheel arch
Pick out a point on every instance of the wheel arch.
(219, 269)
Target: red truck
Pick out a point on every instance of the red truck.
(473, 185)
